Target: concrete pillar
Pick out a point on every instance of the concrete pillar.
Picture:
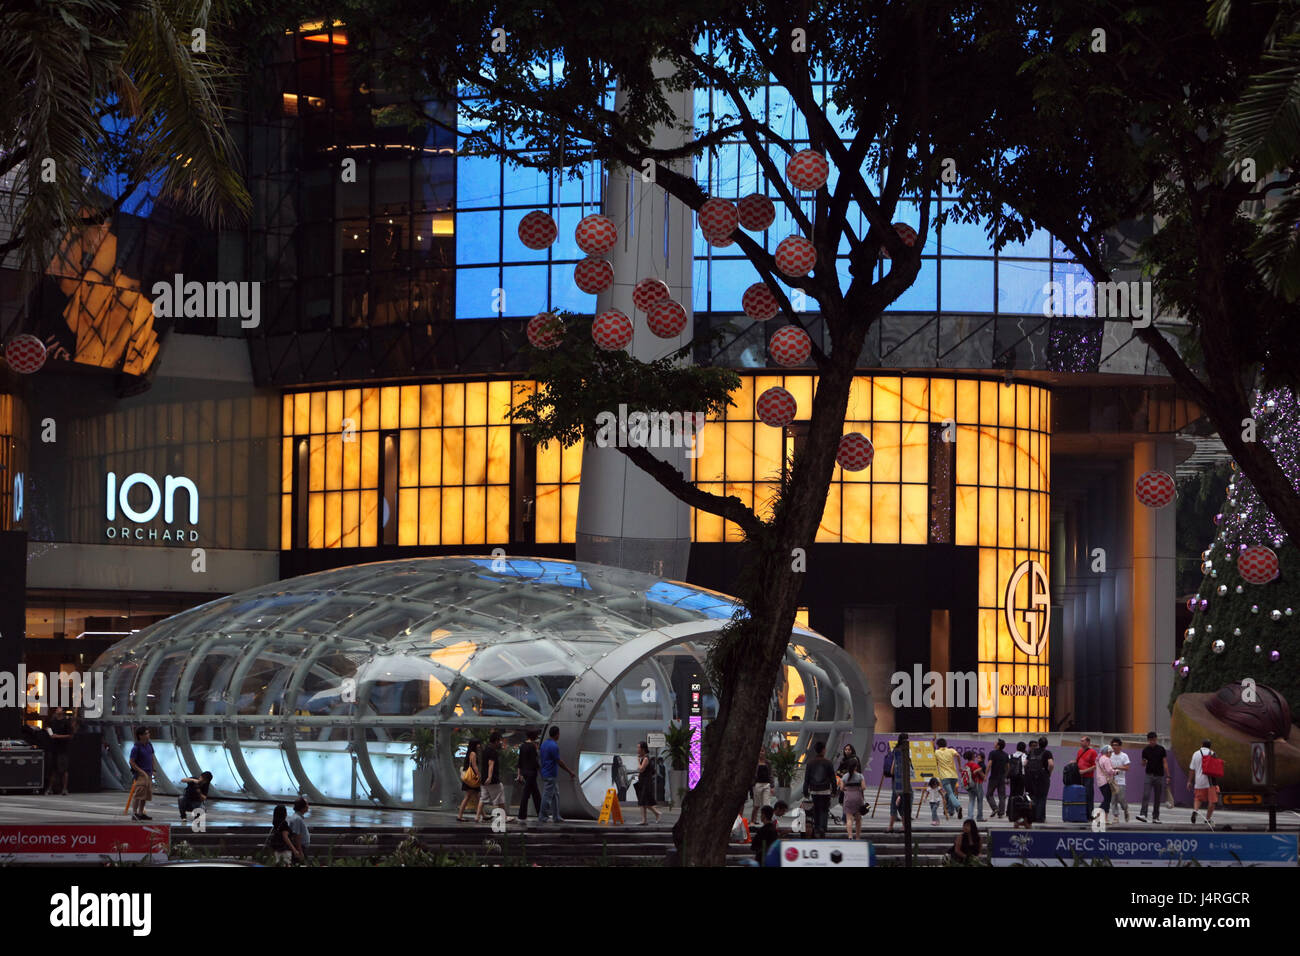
(1152, 607)
(625, 517)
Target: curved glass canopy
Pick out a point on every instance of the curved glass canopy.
(315, 685)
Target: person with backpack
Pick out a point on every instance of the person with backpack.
(1207, 770)
(819, 784)
(279, 841)
(898, 767)
(945, 768)
(1020, 808)
(1086, 760)
(1040, 800)
(973, 776)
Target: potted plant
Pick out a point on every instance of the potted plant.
(510, 771)
(784, 761)
(424, 751)
(677, 741)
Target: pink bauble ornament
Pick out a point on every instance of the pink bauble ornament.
(666, 319)
(649, 291)
(1155, 489)
(855, 452)
(25, 354)
(905, 232)
(756, 212)
(545, 331)
(795, 256)
(1275, 655)
(776, 407)
(790, 345)
(611, 330)
(537, 230)
(593, 275)
(718, 220)
(759, 303)
(807, 169)
(1258, 565)
(595, 235)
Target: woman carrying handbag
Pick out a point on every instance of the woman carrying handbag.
(469, 779)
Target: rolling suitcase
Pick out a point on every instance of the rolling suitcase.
(1074, 804)
(1021, 809)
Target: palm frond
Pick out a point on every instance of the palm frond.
(1276, 253)
(1266, 122)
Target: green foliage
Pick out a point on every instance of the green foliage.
(677, 741)
(578, 381)
(424, 745)
(784, 761)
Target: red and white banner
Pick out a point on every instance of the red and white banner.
(84, 842)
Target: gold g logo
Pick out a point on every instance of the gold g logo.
(1034, 612)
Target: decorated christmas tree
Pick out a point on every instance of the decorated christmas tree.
(1246, 613)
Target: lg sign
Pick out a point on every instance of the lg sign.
(155, 499)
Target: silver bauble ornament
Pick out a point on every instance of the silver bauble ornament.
(1236, 632)
(1218, 647)
(1239, 589)
(1254, 609)
(1275, 614)
(1223, 589)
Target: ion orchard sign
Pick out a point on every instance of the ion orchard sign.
(1029, 632)
(159, 498)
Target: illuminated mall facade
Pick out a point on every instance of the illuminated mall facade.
(367, 418)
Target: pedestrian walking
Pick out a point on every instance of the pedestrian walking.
(645, 783)
(298, 830)
(1154, 776)
(551, 765)
(762, 784)
(1036, 779)
(195, 793)
(63, 727)
(493, 791)
(1045, 785)
(1105, 774)
(934, 796)
(819, 785)
(470, 782)
(280, 840)
(966, 845)
(1086, 760)
(999, 763)
(855, 798)
(973, 777)
(899, 767)
(529, 765)
(1206, 769)
(141, 760)
(1119, 786)
(945, 764)
(1020, 808)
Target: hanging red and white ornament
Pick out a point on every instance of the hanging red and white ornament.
(790, 345)
(855, 452)
(776, 407)
(905, 232)
(611, 330)
(756, 212)
(25, 354)
(795, 256)
(537, 230)
(807, 169)
(759, 303)
(1155, 489)
(595, 235)
(666, 319)
(545, 331)
(1258, 565)
(593, 275)
(718, 219)
(649, 291)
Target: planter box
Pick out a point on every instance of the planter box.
(677, 783)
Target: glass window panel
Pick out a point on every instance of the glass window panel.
(708, 527)
(500, 398)
(475, 459)
(915, 513)
(369, 408)
(333, 410)
(478, 181)
(317, 400)
(568, 513)
(430, 456)
(453, 451)
(988, 456)
(1006, 523)
(498, 514)
(709, 465)
(740, 451)
(390, 407)
(408, 475)
(565, 295)
(859, 407)
(829, 529)
(1022, 459)
(316, 463)
(1023, 287)
(548, 463)
(988, 578)
(856, 514)
(452, 499)
(408, 514)
(476, 403)
(286, 519)
(571, 464)
(478, 237)
(369, 518)
(886, 465)
(547, 511)
(967, 285)
(475, 291)
(884, 514)
(988, 403)
(525, 290)
(333, 461)
(767, 451)
(315, 520)
(915, 452)
(1024, 518)
(498, 457)
(801, 388)
(923, 294)
(988, 520)
(968, 450)
(430, 405)
(430, 516)
(287, 421)
(964, 238)
(1006, 457)
(351, 519)
(453, 403)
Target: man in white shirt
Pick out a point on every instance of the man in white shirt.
(1203, 788)
(1120, 761)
